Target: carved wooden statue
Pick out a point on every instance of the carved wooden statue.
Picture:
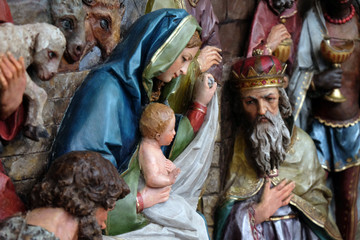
(157, 127)
(69, 16)
(333, 123)
(259, 202)
(42, 46)
(102, 28)
(71, 202)
(275, 30)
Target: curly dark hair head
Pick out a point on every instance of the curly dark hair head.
(80, 183)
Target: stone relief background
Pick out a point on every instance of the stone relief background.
(25, 161)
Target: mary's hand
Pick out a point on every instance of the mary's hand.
(205, 88)
(152, 196)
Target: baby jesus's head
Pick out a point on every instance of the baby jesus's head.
(158, 122)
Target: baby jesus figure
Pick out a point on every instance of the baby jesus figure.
(157, 125)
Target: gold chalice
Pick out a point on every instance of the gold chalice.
(282, 52)
(336, 51)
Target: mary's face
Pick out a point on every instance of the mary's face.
(180, 65)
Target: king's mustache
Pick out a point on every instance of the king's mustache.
(267, 116)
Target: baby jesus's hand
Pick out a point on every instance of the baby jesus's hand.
(169, 166)
(173, 174)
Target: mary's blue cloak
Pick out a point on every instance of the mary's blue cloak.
(104, 113)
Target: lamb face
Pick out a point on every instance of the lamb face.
(49, 48)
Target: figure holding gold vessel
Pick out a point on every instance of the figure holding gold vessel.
(332, 121)
(336, 51)
(276, 30)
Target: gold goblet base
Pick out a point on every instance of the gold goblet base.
(335, 96)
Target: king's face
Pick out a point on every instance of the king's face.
(256, 102)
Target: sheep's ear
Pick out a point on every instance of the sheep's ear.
(41, 41)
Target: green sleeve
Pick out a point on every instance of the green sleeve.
(124, 217)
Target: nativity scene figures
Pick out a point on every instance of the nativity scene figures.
(132, 77)
(332, 122)
(275, 186)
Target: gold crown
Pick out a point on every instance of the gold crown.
(248, 77)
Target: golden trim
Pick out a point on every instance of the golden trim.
(290, 15)
(338, 125)
(268, 49)
(257, 52)
(193, 3)
(260, 82)
(292, 139)
(235, 74)
(242, 188)
(233, 197)
(302, 100)
(170, 38)
(285, 217)
(312, 84)
(284, 69)
(341, 169)
(180, 4)
(148, 72)
(306, 212)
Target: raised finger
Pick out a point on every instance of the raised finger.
(286, 190)
(213, 51)
(216, 55)
(3, 82)
(5, 70)
(278, 26)
(214, 62)
(213, 56)
(213, 48)
(15, 62)
(218, 58)
(210, 49)
(287, 200)
(281, 185)
(7, 67)
(285, 35)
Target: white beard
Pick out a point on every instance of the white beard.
(269, 142)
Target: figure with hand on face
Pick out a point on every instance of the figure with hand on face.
(104, 116)
(275, 187)
(71, 202)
